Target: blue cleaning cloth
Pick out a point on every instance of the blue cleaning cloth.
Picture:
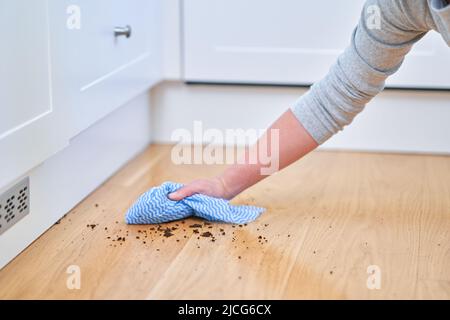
(155, 207)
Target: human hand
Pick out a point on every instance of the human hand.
(214, 187)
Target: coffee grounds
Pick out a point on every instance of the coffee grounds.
(167, 233)
(206, 234)
(152, 233)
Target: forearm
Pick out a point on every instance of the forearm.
(245, 173)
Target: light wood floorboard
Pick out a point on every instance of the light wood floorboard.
(329, 217)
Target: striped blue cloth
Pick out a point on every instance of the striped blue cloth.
(155, 207)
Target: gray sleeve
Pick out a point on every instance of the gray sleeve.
(361, 70)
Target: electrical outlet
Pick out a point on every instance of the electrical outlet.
(14, 204)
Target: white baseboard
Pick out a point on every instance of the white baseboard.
(395, 121)
(61, 182)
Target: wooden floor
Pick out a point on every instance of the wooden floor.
(330, 217)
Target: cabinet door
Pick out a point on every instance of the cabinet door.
(288, 42)
(101, 70)
(30, 123)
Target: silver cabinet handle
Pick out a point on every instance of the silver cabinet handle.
(122, 31)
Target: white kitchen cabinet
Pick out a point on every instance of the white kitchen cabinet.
(288, 42)
(62, 68)
(31, 124)
(99, 70)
